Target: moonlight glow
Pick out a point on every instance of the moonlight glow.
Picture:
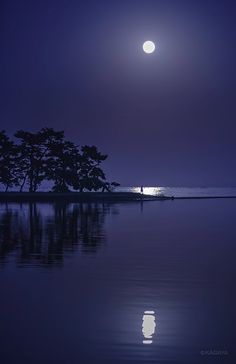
(149, 46)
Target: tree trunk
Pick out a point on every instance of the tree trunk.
(35, 187)
(23, 183)
(31, 186)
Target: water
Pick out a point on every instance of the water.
(183, 191)
(167, 191)
(117, 283)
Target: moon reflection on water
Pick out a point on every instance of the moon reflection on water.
(148, 326)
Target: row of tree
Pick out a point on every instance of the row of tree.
(47, 156)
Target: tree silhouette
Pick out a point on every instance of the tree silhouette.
(46, 155)
(8, 152)
(32, 155)
(89, 175)
(62, 160)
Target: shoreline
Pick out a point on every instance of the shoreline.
(92, 197)
(75, 197)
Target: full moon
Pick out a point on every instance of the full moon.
(149, 46)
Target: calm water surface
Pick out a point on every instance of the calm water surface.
(183, 191)
(118, 283)
(167, 191)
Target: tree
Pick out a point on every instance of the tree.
(61, 164)
(8, 152)
(46, 155)
(110, 186)
(33, 152)
(89, 174)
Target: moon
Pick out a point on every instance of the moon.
(149, 46)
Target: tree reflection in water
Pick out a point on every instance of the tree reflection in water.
(44, 233)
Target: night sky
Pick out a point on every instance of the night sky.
(167, 118)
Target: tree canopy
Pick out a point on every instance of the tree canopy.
(47, 156)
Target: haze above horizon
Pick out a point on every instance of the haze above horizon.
(165, 119)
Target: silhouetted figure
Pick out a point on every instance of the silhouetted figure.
(141, 190)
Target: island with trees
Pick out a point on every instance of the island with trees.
(74, 171)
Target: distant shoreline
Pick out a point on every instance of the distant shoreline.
(92, 197)
(75, 196)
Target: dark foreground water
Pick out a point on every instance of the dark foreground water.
(120, 283)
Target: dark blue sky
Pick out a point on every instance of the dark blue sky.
(164, 119)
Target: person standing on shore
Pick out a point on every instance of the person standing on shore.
(141, 190)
